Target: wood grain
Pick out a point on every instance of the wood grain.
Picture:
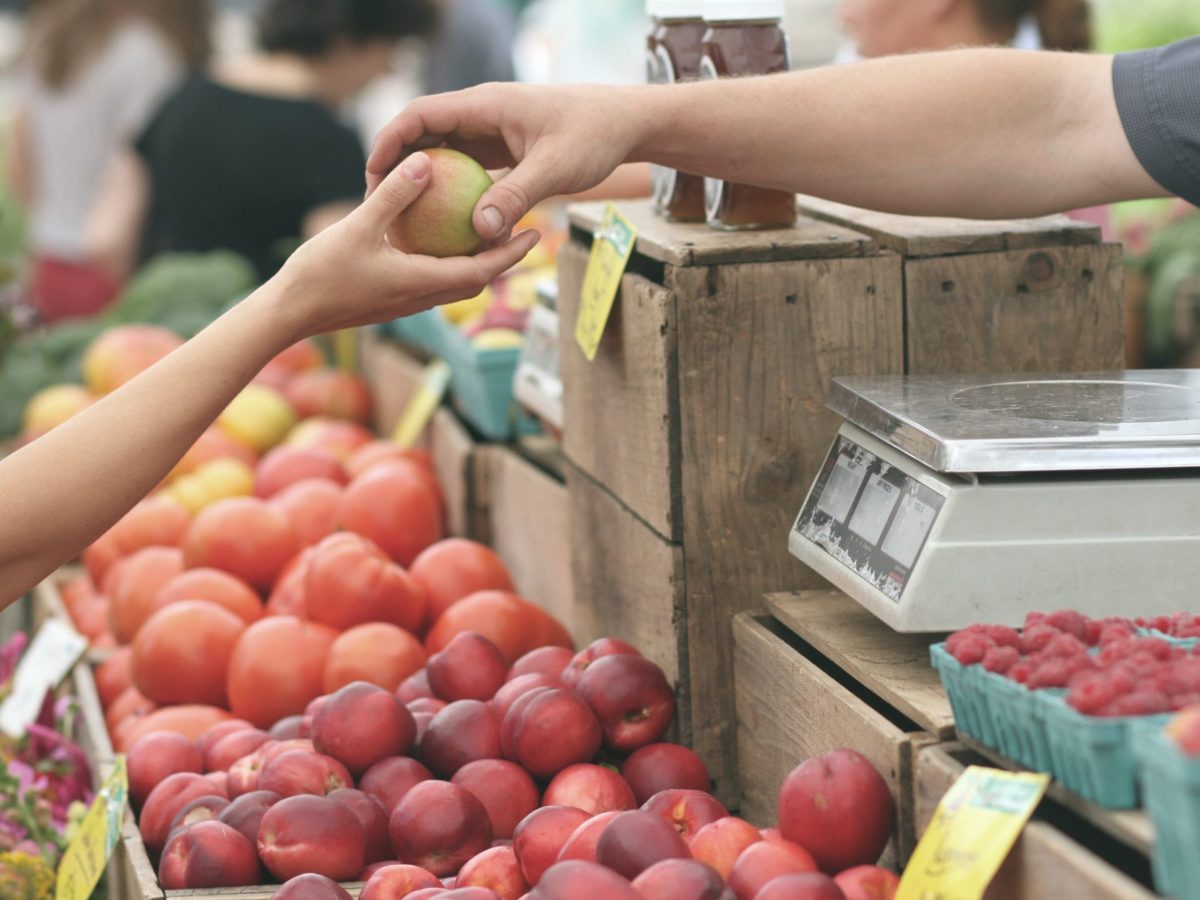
(1053, 309)
(393, 375)
(894, 666)
(1045, 863)
(789, 709)
(619, 410)
(917, 236)
(530, 528)
(757, 351)
(453, 451)
(682, 244)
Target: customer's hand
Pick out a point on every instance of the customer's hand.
(350, 275)
(561, 140)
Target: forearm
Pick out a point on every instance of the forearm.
(62, 492)
(978, 133)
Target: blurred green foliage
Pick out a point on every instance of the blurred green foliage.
(1122, 25)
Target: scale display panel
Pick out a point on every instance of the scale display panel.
(870, 516)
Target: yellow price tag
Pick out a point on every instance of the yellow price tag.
(972, 831)
(611, 250)
(423, 404)
(89, 851)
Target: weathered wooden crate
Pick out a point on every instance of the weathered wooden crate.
(1057, 856)
(844, 683)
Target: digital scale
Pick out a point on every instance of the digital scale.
(948, 500)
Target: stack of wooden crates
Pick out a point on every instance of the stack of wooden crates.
(693, 437)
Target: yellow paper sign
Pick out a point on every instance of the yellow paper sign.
(423, 404)
(973, 829)
(611, 250)
(88, 853)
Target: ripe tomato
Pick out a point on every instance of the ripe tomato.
(372, 454)
(216, 587)
(311, 506)
(191, 721)
(244, 536)
(100, 555)
(136, 585)
(113, 676)
(155, 522)
(284, 466)
(287, 597)
(330, 392)
(212, 445)
(277, 668)
(378, 653)
(349, 581)
(129, 702)
(393, 504)
(455, 568)
(510, 622)
(181, 654)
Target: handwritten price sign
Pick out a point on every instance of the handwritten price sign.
(90, 849)
(611, 250)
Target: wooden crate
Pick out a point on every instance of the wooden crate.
(526, 520)
(860, 685)
(701, 423)
(1048, 862)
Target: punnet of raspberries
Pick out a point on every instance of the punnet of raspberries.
(1107, 666)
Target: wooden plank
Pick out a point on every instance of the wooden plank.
(790, 709)
(682, 244)
(619, 412)
(758, 347)
(530, 528)
(1053, 309)
(393, 375)
(453, 451)
(894, 666)
(918, 236)
(1045, 863)
(137, 877)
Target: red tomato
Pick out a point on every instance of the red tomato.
(455, 568)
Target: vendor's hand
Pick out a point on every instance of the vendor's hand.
(561, 140)
(350, 275)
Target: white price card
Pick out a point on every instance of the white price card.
(48, 659)
(538, 383)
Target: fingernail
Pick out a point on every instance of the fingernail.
(415, 166)
(493, 218)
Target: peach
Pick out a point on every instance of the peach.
(761, 863)
(801, 886)
(119, 354)
(168, 797)
(576, 879)
(522, 684)
(311, 834)
(720, 843)
(414, 687)
(582, 842)
(301, 772)
(215, 733)
(330, 392)
(469, 668)
(206, 855)
(688, 811)
(632, 700)
(155, 757)
(868, 883)
(634, 841)
(287, 728)
(439, 221)
(374, 819)
(594, 789)
(272, 749)
(540, 837)
(465, 731)
(681, 879)
(245, 772)
(505, 790)
(362, 724)
(339, 437)
(220, 782)
(311, 887)
(245, 812)
(543, 661)
(199, 810)
(390, 779)
(550, 729)
(661, 767)
(430, 705)
(597, 649)
(225, 752)
(397, 880)
(284, 466)
(496, 868)
(439, 826)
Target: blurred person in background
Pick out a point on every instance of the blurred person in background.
(93, 72)
(473, 45)
(253, 156)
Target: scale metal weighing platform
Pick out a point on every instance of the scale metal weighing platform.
(948, 500)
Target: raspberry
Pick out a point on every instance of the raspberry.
(1065, 646)
(1001, 659)
(971, 649)
(1091, 692)
(1033, 618)
(1050, 673)
(1035, 638)
(1116, 650)
(1183, 701)
(967, 635)
(1112, 632)
(1182, 676)
(1121, 678)
(1003, 635)
(1094, 630)
(1021, 671)
(1155, 647)
(1138, 703)
(1070, 621)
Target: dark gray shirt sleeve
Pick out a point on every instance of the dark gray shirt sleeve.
(1158, 98)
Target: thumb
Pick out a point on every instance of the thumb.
(396, 191)
(510, 198)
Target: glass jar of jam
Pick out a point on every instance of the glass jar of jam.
(745, 37)
(675, 48)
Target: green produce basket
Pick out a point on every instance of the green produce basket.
(964, 687)
(482, 384)
(423, 329)
(1171, 791)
